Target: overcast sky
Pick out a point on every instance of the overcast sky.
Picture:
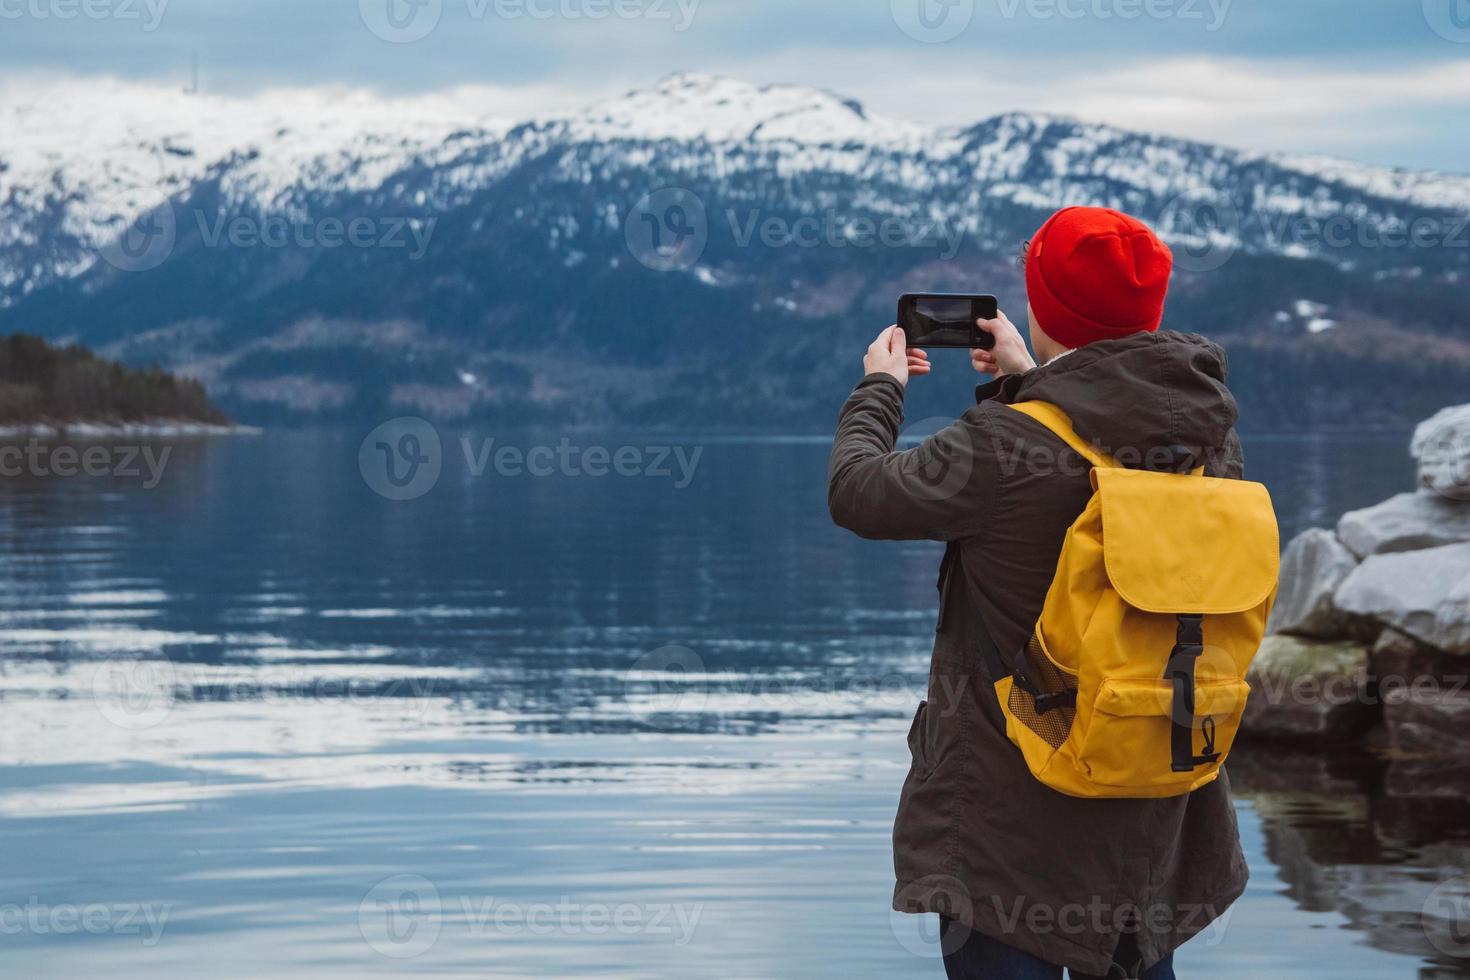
(1386, 81)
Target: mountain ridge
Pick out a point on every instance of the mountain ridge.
(540, 220)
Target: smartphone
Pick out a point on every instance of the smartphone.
(946, 319)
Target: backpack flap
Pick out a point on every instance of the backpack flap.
(1193, 545)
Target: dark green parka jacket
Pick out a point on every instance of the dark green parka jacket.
(977, 838)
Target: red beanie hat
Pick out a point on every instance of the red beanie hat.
(1096, 274)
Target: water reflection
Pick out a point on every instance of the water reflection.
(1352, 835)
(258, 690)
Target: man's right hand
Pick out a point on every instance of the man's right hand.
(1009, 355)
(891, 355)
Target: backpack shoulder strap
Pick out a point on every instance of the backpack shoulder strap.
(1056, 421)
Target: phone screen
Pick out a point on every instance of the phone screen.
(938, 320)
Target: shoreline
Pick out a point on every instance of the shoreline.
(151, 429)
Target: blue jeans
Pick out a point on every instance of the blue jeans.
(982, 958)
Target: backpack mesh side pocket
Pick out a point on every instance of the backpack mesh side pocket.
(1052, 726)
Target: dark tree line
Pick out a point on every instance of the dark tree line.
(39, 382)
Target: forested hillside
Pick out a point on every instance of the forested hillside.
(42, 383)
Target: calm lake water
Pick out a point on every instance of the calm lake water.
(260, 720)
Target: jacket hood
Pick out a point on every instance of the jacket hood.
(1143, 393)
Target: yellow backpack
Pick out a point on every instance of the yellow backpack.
(1133, 681)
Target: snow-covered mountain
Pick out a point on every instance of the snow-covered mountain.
(296, 249)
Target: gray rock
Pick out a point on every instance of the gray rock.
(1408, 522)
(1429, 718)
(1425, 694)
(1399, 660)
(1312, 568)
(1441, 444)
(1425, 594)
(1308, 689)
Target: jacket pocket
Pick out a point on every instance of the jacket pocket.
(946, 581)
(919, 742)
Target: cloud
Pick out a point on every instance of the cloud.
(1362, 78)
(1264, 104)
(1382, 112)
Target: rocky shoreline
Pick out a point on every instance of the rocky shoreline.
(1370, 638)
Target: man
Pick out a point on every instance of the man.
(1029, 881)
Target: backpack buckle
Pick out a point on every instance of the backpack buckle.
(1055, 700)
(1044, 701)
(1190, 638)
